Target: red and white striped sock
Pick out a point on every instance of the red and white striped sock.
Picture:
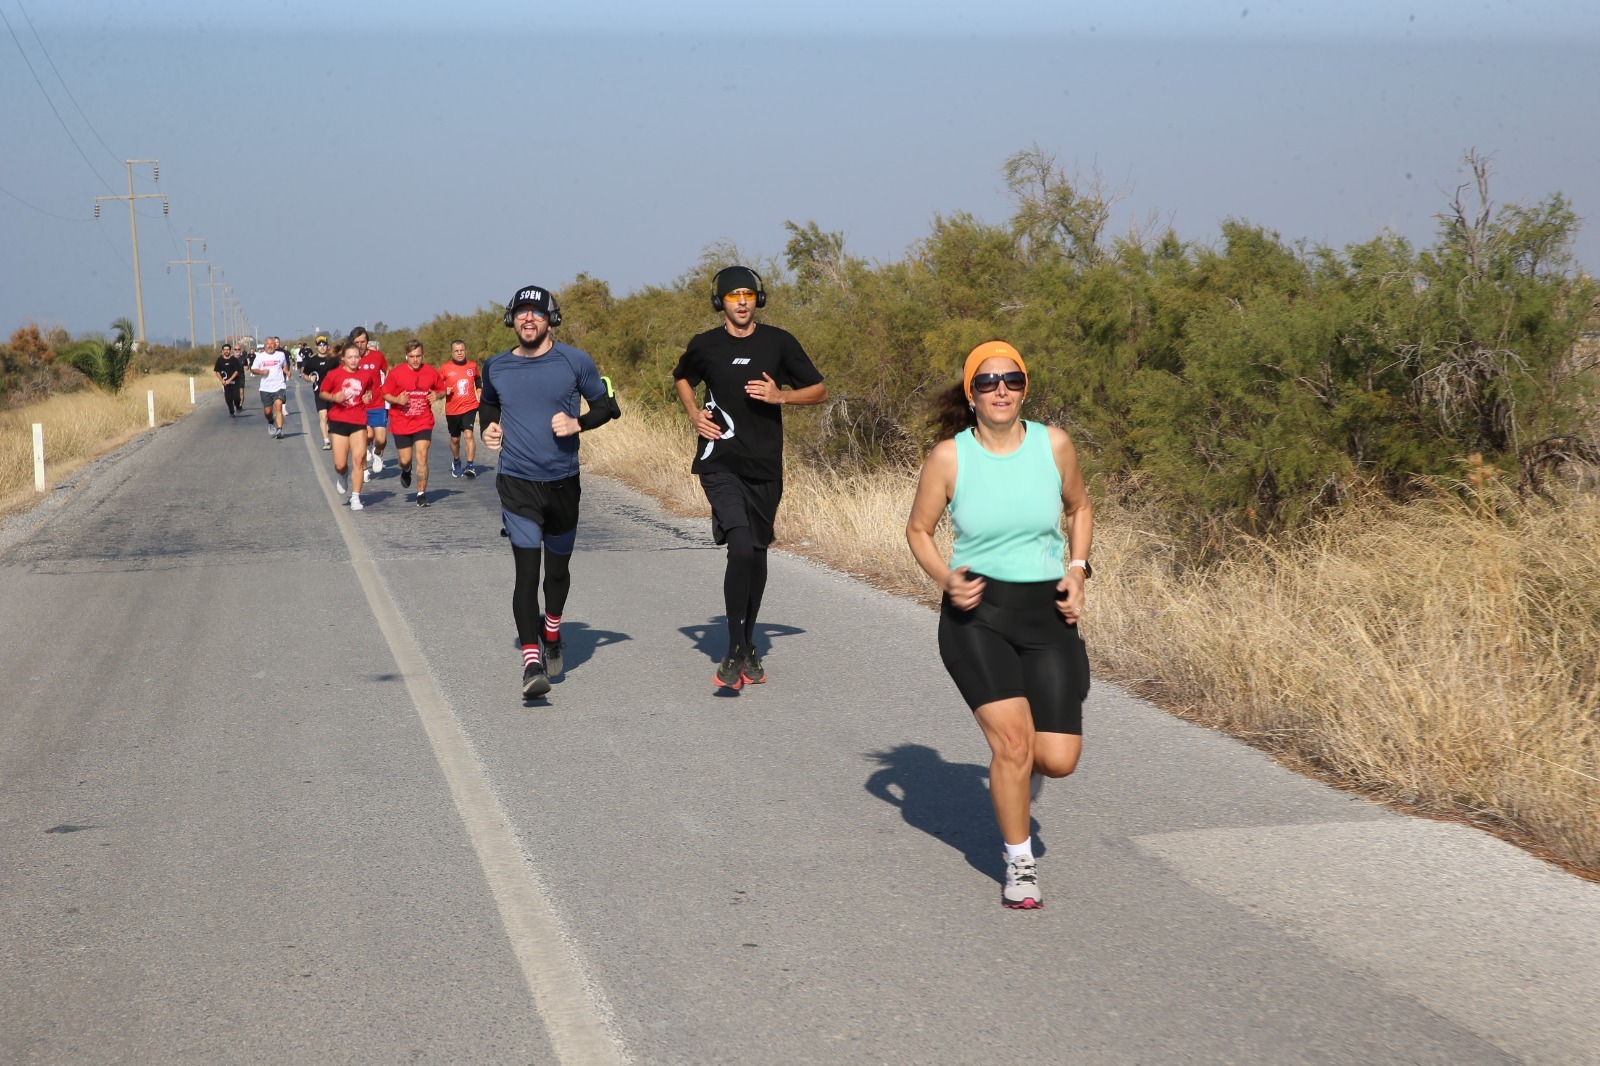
(530, 654)
(552, 628)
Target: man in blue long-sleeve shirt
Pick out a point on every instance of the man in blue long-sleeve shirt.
(529, 412)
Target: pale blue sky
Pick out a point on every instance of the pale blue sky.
(1226, 19)
(351, 162)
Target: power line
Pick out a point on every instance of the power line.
(173, 234)
(41, 210)
(110, 244)
(52, 103)
(114, 157)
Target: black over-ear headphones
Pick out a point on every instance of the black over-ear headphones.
(761, 288)
(554, 316)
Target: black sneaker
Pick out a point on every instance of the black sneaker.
(422, 501)
(554, 664)
(405, 477)
(728, 673)
(535, 682)
(751, 669)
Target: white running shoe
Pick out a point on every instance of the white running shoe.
(1022, 884)
(377, 463)
(339, 486)
(355, 501)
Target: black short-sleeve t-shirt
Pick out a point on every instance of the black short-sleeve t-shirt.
(229, 366)
(318, 366)
(752, 431)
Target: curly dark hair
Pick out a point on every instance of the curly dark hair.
(951, 412)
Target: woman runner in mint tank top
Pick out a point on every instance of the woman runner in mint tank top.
(1008, 623)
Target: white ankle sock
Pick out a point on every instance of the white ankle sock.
(1024, 849)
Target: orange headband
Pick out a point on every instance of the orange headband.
(988, 350)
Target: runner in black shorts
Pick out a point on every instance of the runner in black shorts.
(229, 369)
(529, 411)
(349, 387)
(1008, 624)
(312, 368)
(460, 376)
(746, 367)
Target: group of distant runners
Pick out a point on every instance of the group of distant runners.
(272, 365)
(361, 400)
(1008, 619)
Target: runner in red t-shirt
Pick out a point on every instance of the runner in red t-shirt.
(461, 381)
(348, 389)
(377, 412)
(410, 390)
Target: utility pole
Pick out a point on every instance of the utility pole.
(133, 223)
(189, 262)
(211, 284)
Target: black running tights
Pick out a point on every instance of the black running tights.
(525, 597)
(743, 584)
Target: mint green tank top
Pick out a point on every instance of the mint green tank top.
(1006, 509)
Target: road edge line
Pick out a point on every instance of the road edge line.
(563, 995)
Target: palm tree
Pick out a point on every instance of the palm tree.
(118, 354)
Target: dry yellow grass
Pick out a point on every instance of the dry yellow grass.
(1437, 656)
(80, 426)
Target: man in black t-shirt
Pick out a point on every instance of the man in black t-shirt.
(745, 367)
(312, 368)
(229, 369)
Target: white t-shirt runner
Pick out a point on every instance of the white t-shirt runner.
(274, 364)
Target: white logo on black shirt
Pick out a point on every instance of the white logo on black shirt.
(717, 414)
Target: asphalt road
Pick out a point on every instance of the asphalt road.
(268, 793)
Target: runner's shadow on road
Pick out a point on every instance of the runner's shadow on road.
(579, 643)
(711, 639)
(946, 800)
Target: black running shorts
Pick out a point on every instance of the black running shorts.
(1015, 643)
(736, 501)
(456, 423)
(406, 440)
(343, 429)
(551, 504)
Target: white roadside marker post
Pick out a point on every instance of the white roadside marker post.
(150, 397)
(191, 392)
(38, 456)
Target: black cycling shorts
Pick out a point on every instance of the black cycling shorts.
(737, 501)
(1015, 643)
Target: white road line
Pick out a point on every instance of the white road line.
(562, 996)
